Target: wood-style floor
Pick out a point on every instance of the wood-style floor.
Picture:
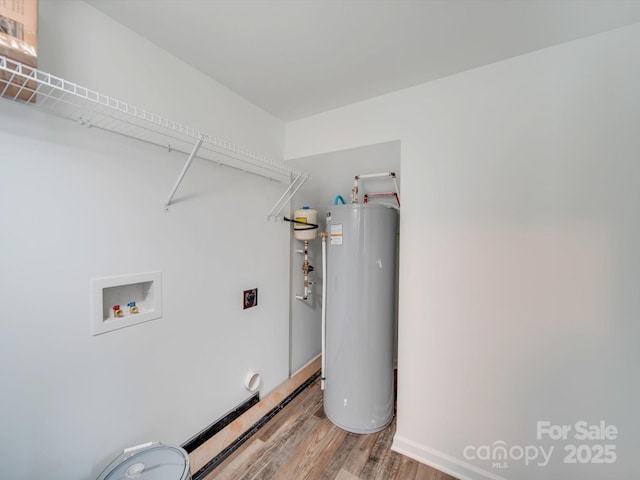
(301, 443)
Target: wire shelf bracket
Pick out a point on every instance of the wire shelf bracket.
(187, 164)
(288, 194)
(36, 88)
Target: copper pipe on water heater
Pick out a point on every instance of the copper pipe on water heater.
(357, 178)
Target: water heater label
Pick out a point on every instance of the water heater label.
(336, 234)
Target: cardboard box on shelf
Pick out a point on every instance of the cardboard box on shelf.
(19, 42)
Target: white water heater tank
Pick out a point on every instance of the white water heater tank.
(361, 274)
(302, 216)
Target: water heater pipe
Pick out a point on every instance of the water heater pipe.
(391, 194)
(306, 268)
(354, 191)
(324, 308)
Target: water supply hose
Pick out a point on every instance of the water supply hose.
(339, 198)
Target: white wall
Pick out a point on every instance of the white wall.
(332, 174)
(519, 253)
(77, 204)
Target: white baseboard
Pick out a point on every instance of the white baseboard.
(441, 461)
(305, 365)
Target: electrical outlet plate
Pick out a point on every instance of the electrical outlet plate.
(250, 298)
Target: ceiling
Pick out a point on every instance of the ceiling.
(297, 58)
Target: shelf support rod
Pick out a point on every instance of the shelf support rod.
(187, 164)
(288, 194)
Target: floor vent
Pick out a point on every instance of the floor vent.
(218, 459)
(200, 438)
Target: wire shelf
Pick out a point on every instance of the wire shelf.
(62, 98)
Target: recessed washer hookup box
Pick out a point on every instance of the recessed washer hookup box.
(19, 42)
